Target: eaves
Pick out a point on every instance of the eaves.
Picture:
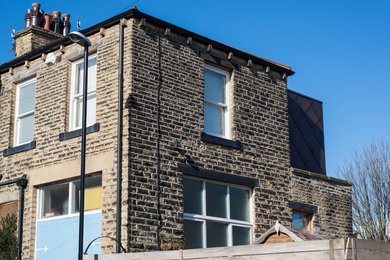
(135, 13)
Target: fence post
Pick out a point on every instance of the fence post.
(331, 249)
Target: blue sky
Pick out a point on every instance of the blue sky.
(340, 50)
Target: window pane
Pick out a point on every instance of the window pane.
(193, 234)
(239, 204)
(56, 199)
(91, 110)
(78, 111)
(26, 125)
(92, 195)
(241, 236)
(214, 122)
(300, 221)
(26, 98)
(216, 200)
(216, 234)
(192, 190)
(79, 78)
(92, 75)
(214, 86)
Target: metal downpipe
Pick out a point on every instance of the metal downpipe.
(119, 142)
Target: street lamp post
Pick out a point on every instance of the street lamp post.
(82, 40)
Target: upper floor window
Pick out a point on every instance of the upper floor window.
(24, 113)
(76, 101)
(216, 214)
(216, 102)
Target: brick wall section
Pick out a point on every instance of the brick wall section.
(259, 119)
(331, 196)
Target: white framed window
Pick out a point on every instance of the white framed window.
(57, 219)
(24, 112)
(216, 214)
(76, 99)
(63, 199)
(216, 102)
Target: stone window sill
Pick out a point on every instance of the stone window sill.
(76, 133)
(19, 149)
(219, 140)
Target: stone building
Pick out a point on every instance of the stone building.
(212, 147)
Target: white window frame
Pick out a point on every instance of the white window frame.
(203, 218)
(73, 96)
(226, 106)
(17, 116)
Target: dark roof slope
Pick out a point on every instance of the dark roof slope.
(304, 235)
(295, 235)
(307, 149)
(135, 13)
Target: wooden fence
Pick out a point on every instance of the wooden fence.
(337, 249)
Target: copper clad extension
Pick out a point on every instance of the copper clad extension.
(52, 22)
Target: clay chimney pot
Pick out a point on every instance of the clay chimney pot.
(47, 21)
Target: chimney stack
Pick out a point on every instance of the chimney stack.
(40, 29)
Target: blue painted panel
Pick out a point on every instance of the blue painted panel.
(58, 238)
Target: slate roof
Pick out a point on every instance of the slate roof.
(295, 235)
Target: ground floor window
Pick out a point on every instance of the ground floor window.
(58, 218)
(216, 214)
(301, 220)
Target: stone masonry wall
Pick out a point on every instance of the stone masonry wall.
(52, 118)
(259, 121)
(331, 196)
